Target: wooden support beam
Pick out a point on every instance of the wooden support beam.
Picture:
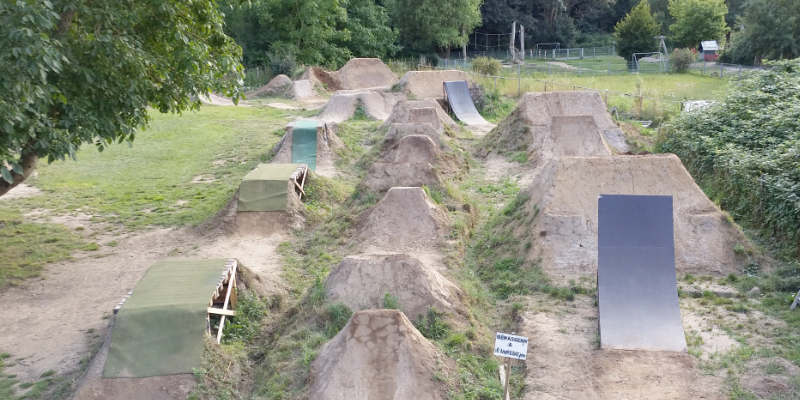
(220, 311)
(796, 301)
(231, 282)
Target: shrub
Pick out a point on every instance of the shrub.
(282, 62)
(681, 59)
(486, 66)
(743, 152)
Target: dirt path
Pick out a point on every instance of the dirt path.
(55, 322)
(565, 362)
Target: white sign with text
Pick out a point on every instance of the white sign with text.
(510, 346)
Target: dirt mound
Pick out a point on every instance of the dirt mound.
(421, 112)
(429, 84)
(404, 219)
(343, 104)
(280, 86)
(556, 124)
(363, 73)
(320, 77)
(327, 144)
(564, 195)
(302, 89)
(399, 131)
(362, 282)
(409, 162)
(378, 355)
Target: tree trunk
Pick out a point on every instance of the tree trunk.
(28, 163)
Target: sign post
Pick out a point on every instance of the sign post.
(510, 347)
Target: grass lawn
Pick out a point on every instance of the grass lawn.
(180, 170)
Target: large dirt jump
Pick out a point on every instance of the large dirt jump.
(379, 354)
(564, 233)
(555, 124)
(411, 161)
(362, 282)
(429, 84)
(421, 112)
(342, 105)
(327, 145)
(358, 73)
(404, 219)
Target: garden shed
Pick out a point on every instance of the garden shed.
(709, 49)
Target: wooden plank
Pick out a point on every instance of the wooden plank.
(796, 301)
(227, 299)
(220, 311)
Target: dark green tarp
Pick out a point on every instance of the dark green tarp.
(160, 328)
(304, 143)
(266, 187)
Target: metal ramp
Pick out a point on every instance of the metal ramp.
(461, 103)
(637, 288)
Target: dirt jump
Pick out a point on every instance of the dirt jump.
(358, 73)
(564, 196)
(404, 219)
(279, 86)
(421, 112)
(311, 143)
(344, 103)
(421, 85)
(554, 124)
(379, 354)
(363, 282)
(411, 161)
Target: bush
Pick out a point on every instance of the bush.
(681, 59)
(743, 152)
(486, 66)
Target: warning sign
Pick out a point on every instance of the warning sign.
(510, 346)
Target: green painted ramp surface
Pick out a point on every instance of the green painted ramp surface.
(266, 187)
(160, 329)
(304, 143)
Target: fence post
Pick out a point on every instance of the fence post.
(721, 70)
(519, 80)
(581, 53)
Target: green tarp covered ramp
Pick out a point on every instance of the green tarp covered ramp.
(160, 328)
(266, 188)
(304, 143)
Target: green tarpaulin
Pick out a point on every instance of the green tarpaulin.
(304, 143)
(266, 187)
(160, 328)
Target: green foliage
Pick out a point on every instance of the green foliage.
(635, 32)
(763, 35)
(390, 302)
(86, 72)
(744, 152)
(313, 32)
(486, 65)
(335, 318)
(697, 20)
(432, 324)
(27, 247)
(681, 59)
(250, 310)
(426, 25)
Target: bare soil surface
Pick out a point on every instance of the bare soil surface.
(429, 84)
(565, 362)
(20, 191)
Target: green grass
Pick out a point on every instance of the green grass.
(150, 181)
(26, 247)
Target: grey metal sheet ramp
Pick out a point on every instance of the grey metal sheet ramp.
(461, 103)
(636, 284)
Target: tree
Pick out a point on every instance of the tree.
(770, 29)
(81, 71)
(697, 20)
(635, 33)
(427, 25)
(370, 33)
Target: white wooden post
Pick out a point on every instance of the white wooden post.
(522, 42)
(513, 40)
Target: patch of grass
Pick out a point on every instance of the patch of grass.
(519, 157)
(26, 247)
(390, 302)
(359, 138)
(432, 324)
(250, 312)
(150, 182)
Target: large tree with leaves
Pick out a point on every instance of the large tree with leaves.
(636, 32)
(697, 20)
(769, 29)
(81, 71)
(427, 25)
